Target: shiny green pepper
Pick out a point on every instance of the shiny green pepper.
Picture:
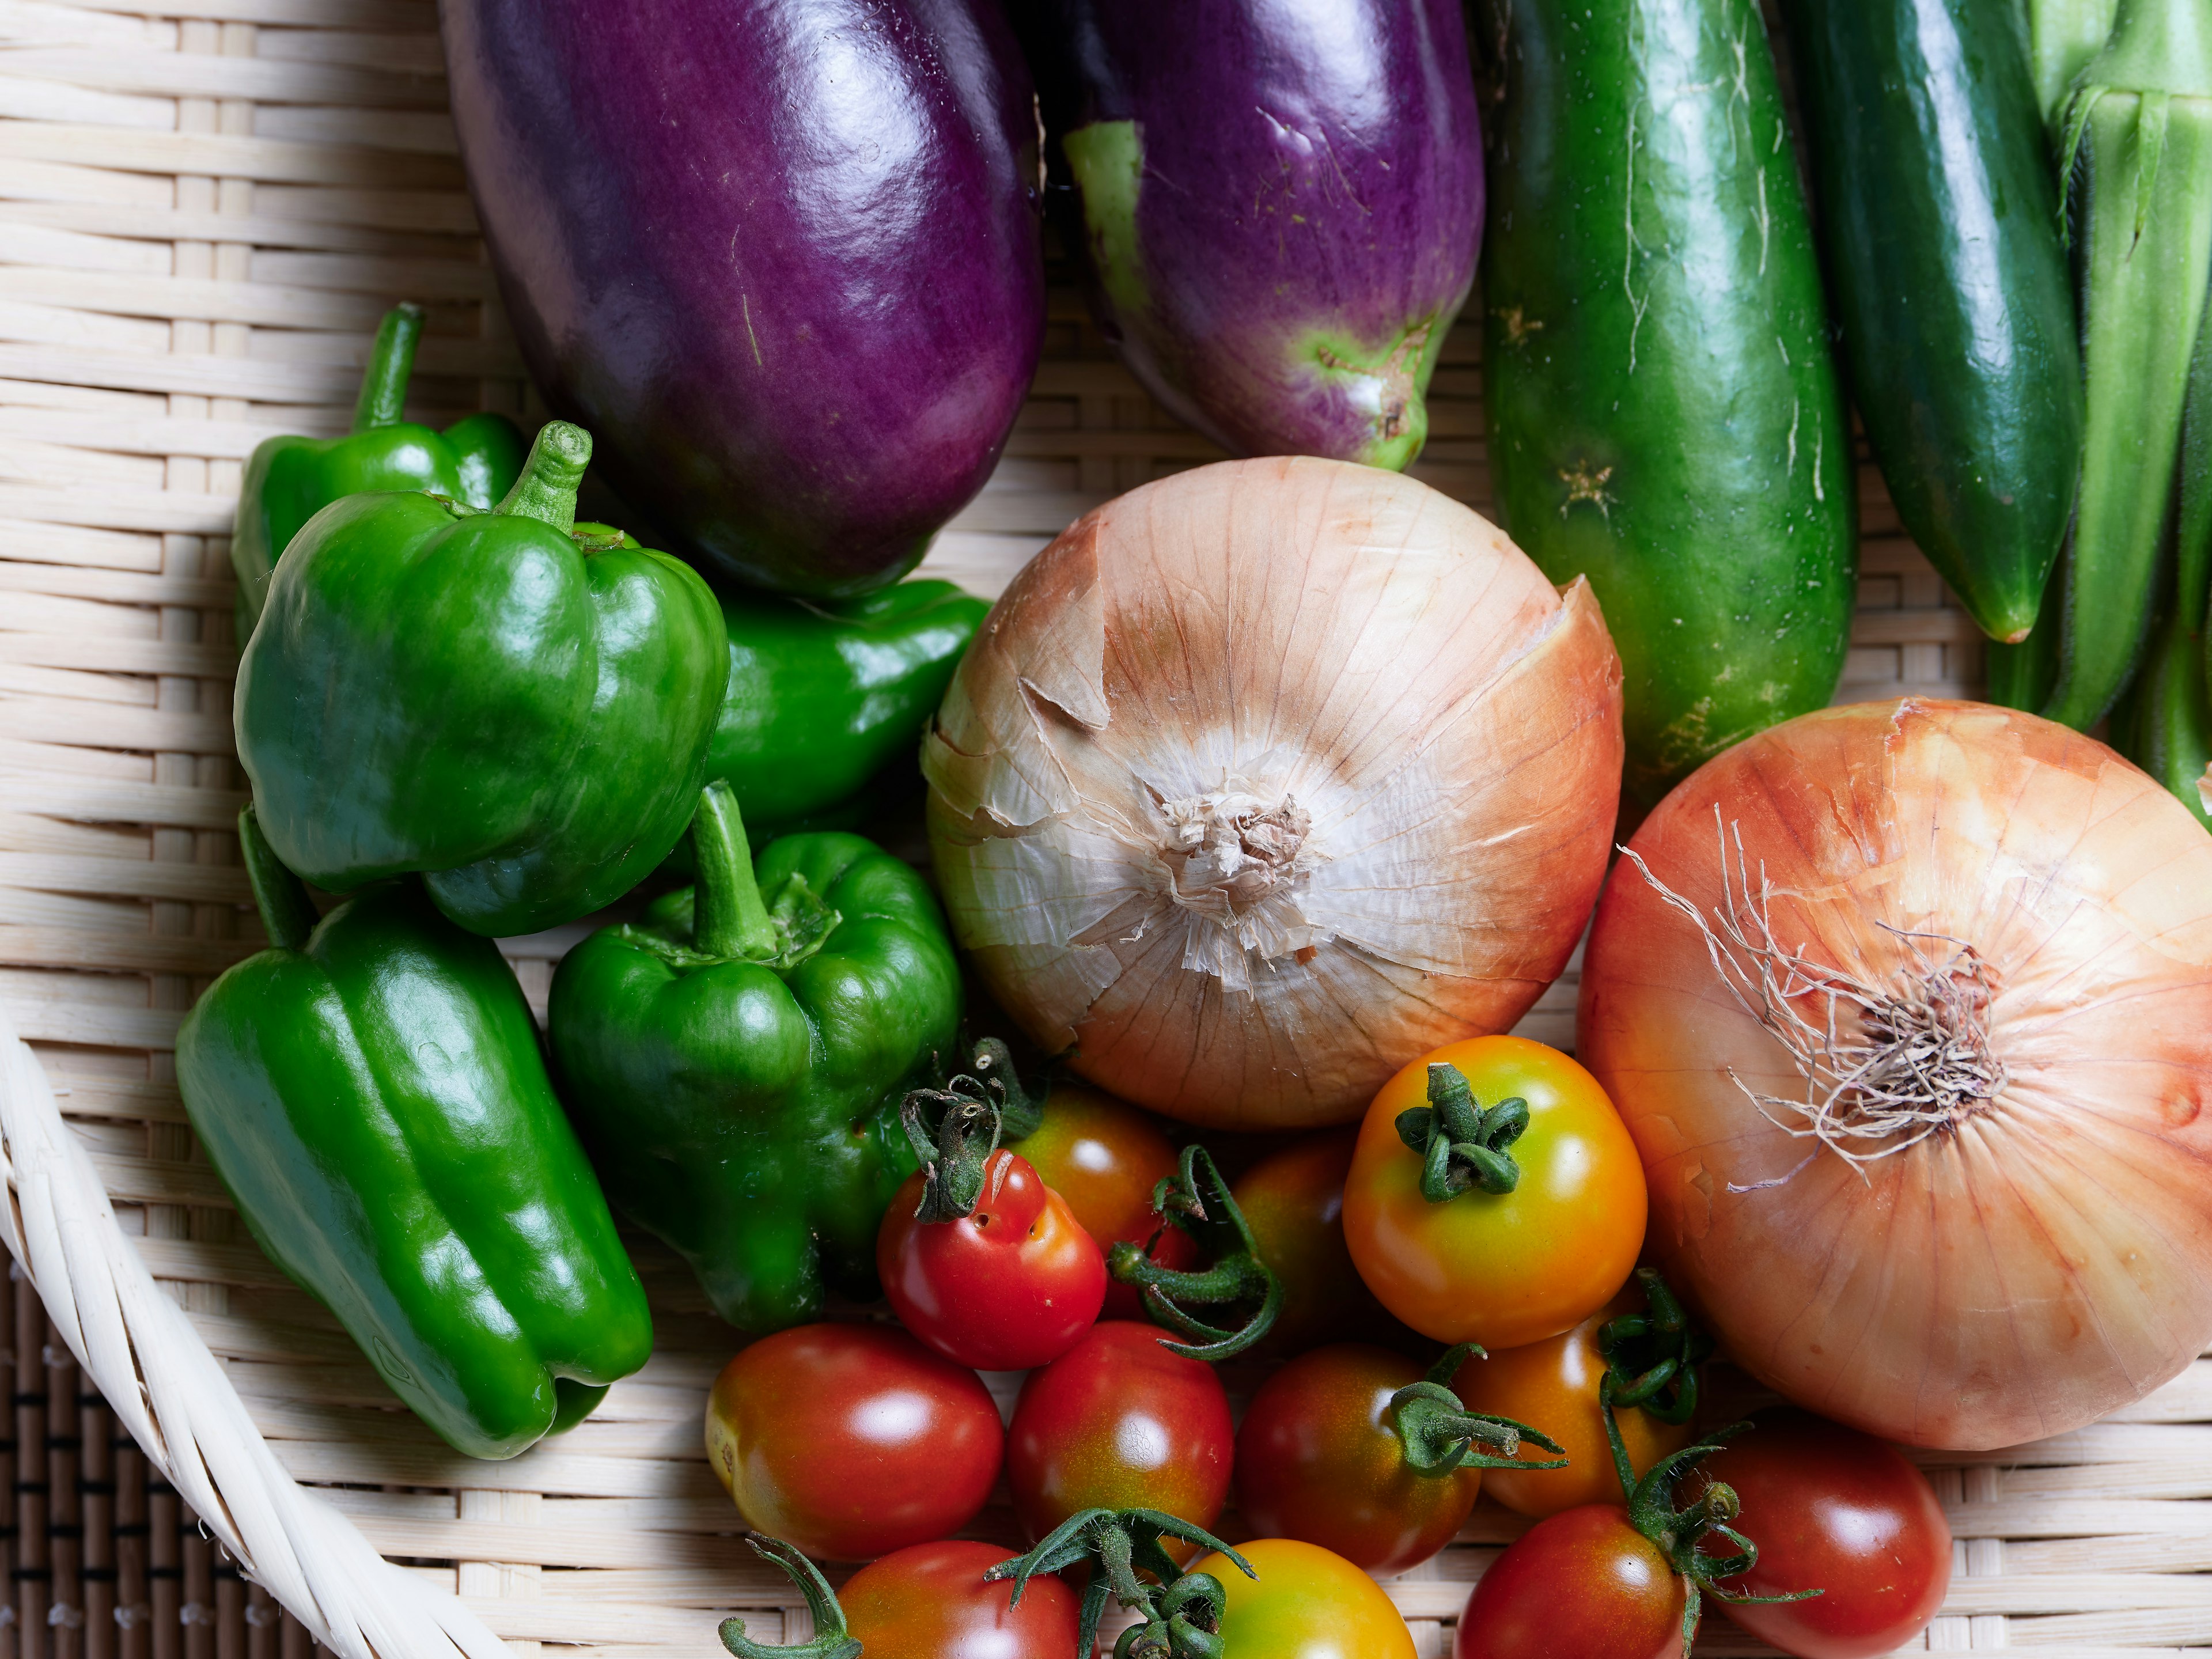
(736, 1059)
(371, 1091)
(515, 705)
(290, 479)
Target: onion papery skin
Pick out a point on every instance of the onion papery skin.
(1443, 725)
(2047, 1257)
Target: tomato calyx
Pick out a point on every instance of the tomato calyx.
(955, 1128)
(1652, 1359)
(1196, 1202)
(1441, 1434)
(831, 1639)
(1461, 1144)
(1180, 1614)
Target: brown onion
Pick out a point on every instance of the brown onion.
(1920, 1089)
(1263, 780)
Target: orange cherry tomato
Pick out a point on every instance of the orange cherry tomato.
(1505, 1268)
(1305, 1604)
(1552, 1385)
(1294, 1202)
(1104, 1157)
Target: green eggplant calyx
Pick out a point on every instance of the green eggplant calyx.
(1461, 1146)
(1652, 1358)
(288, 915)
(1179, 1613)
(547, 489)
(383, 398)
(955, 1158)
(830, 1639)
(1441, 1435)
(1195, 1200)
(1679, 1534)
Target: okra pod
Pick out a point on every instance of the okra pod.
(2063, 36)
(2140, 128)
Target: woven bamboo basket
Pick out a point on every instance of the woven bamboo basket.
(202, 216)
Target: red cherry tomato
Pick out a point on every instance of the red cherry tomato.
(1582, 1585)
(1305, 1604)
(1294, 1202)
(1104, 1157)
(852, 1441)
(1317, 1460)
(1117, 1422)
(1838, 1510)
(931, 1602)
(1009, 1285)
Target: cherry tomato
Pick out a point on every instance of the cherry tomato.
(1305, 1604)
(1552, 1385)
(1294, 1201)
(1582, 1585)
(1117, 1422)
(1009, 1285)
(1318, 1459)
(852, 1441)
(1503, 1269)
(1104, 1157)
(930, 1602)
(1838, 1510)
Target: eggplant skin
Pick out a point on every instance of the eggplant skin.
(1281, 205)
(781, 256)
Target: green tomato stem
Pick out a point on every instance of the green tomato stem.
(1440, 1435)
(1461, 1146)
(383, 398)
(830, 1640)
(1196, 1200)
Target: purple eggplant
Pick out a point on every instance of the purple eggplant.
(1281, 202)
(781, 256)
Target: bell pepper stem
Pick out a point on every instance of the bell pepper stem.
(728, 919)
(286, 913)
(383, 398)
(547, 489)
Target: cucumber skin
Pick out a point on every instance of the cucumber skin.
(1939, 209)
(1686, 449)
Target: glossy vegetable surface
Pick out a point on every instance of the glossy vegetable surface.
(1500, 1268)
(784, 257)
(853, 1441)
(1663, 414)
(1008, 1286)
(515, 705)
(1844, 1511)
(371, 1091)
(932, 1602)
(1305, 1604)
(1582, 1585)
(1280, 202)
(736, 1059)
(1118, 1422)
(290, 479)
(1940, 226)
(1293, 1201)
(1318, 1460)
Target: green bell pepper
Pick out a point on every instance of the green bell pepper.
(290, 479)
(736, 1060)
(371, 1091)
(823, 696)
(513, 705)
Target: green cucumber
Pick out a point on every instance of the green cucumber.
(1939, 225)
(1664, 414)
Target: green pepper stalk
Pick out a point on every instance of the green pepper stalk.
(2063, 36)
(2141, 121)
(1195, 1200)
(1462, 1145)
(1440, 1435)
(831, 1638)
(1181, 1612)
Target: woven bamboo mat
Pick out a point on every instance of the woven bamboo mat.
(201, 219)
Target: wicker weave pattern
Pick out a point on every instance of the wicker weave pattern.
(201, 219)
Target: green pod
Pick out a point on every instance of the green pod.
(1939, 220)
(371, 1091)
(737, 1058)
(2063, 36)
(290, 479)
(1664, 414)
(2139, 132)
(514, 708)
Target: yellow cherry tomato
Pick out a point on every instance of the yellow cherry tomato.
(1501, 1268)
(1307, 1603)
(1552, 1385)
